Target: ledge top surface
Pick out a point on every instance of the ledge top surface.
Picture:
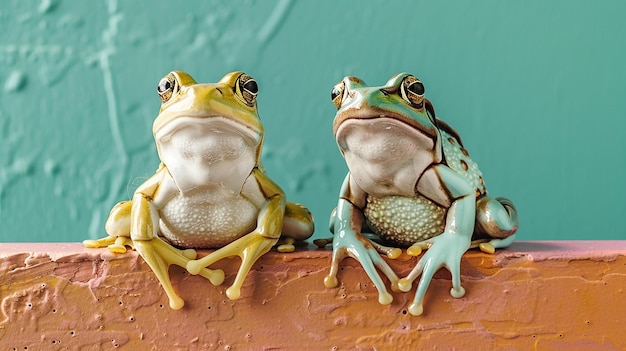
(533, 250)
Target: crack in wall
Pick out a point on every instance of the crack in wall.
(122, 161)
(273, 23)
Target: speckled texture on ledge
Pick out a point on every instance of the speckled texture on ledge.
(534, 295)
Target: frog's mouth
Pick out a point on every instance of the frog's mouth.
(207, 125)
(378, 138)
(422, 124)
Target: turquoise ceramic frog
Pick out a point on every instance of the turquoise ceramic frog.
(210, 190)
(411, 183)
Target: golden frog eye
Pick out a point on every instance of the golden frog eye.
(336, 95)
(167, 87)
(412, 90)
(247, 89)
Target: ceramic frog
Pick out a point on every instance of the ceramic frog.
(210, 190)
(411, 183)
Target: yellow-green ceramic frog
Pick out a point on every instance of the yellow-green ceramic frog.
(411, 183)
(210, 190)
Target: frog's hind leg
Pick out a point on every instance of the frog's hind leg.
(497, 219)
(118, 228)
(297, 225)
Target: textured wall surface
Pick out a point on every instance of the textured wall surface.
(535, 88)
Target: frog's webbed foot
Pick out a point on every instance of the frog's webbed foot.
(249, 248)
(444, 250)
(113, 244)
(286, 244)
(159, 256)
(355, 245)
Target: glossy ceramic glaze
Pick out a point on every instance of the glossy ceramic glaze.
(412, 184)
(210, 190)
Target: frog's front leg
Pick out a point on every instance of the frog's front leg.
(446, 249)
(254, 244)
(348, 241)
(158, 254)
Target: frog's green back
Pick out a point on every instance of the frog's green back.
(525, 84)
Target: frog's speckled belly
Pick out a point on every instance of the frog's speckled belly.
(404, 220)
(202, 221)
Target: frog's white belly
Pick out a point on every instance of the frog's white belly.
(404, 220)
(206, 219)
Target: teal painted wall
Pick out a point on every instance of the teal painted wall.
(536, 89)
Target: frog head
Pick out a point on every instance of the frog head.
(401, 98)
(388, 134)
(206, 132)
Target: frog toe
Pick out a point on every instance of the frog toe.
(113, 244)
(331, 281)
(384, 298)
(457, 293)
(322, 243)
(416, 309)
(116, 248)
(415, 250)
(405, 284)
(215, 276)
(286, 245)
(233, 292)
(94, 244)
(391, 252)
(487, 248)
(493, 244)
(176, 303)
(286, 248)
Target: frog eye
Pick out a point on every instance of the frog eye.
(412, 90)
(336, 95)
(167, 87)
(247, 89)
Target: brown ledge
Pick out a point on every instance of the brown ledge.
(533, 295)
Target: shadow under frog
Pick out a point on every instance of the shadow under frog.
(410, 182)
(210, 190)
